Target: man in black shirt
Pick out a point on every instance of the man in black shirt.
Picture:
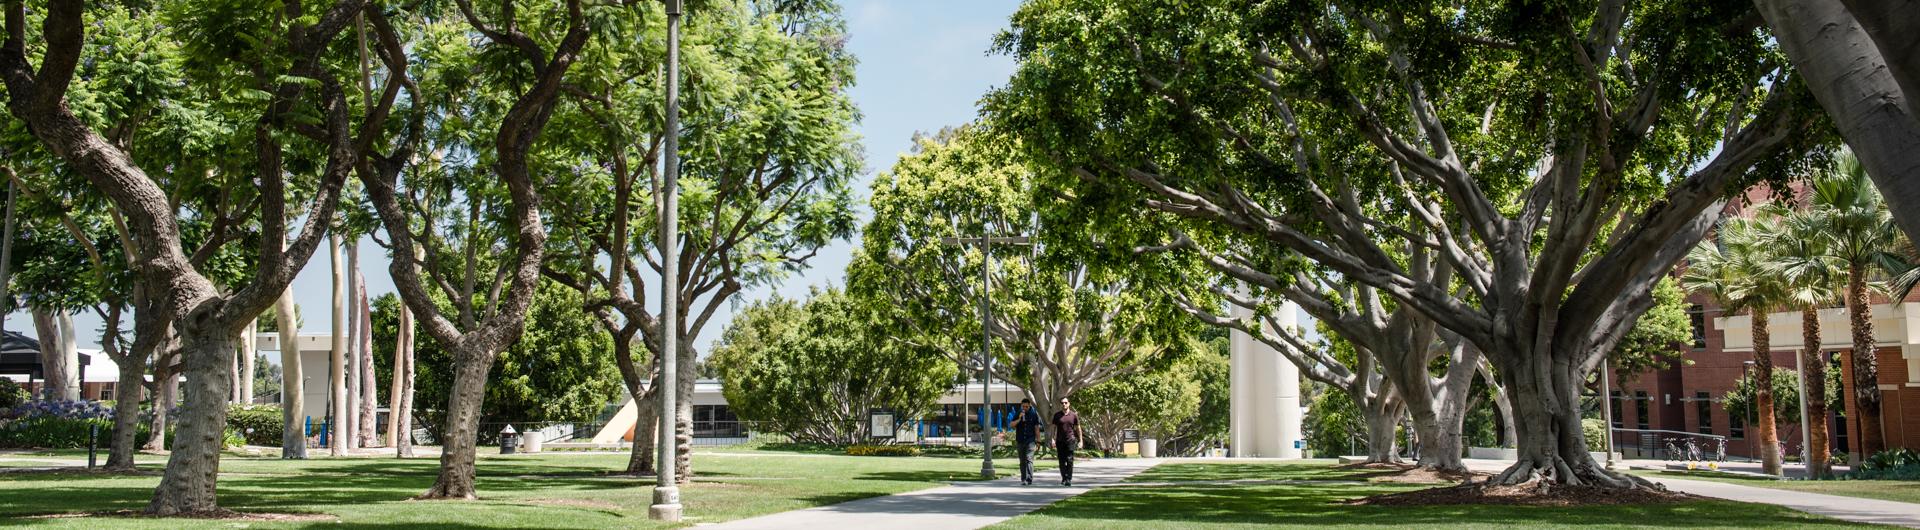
(1066, 438)
(1026, 428)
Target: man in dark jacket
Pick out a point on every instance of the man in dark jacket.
(1026, 428)
(1066, 438)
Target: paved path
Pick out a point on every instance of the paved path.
(1854, 509)
(961, 506)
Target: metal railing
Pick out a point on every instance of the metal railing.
(1658, 444)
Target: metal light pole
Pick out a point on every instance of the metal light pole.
(1806, 437)
(1606, 394)
(666, 494)
(986, 339)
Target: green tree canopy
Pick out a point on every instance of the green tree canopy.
(813, 369)
(561, 369)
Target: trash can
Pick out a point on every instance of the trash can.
(1149, 448)
(530, 442)
(509, 440)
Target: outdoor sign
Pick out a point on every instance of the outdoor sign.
(880, 424)
(1130, 435)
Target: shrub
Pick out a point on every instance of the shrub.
(59, 425)
(1595, 430)
(1891, 464)
(883, 450)
(12, 394)
(256, 424)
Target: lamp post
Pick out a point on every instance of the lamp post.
(1806, 437)
(666, 494)
(986, 338)
(1606, 410)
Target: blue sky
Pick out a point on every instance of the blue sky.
(923, 65)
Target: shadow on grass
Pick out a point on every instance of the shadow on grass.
(934, 476)
(1321, 505)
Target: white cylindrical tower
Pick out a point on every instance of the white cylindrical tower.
(1287, 413)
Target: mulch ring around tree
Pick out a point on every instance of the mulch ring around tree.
(221, 515)
(1409, 474)
(1536, 493)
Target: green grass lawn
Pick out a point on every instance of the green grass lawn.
(1887, 490)
(1318, 505)
(552, 490)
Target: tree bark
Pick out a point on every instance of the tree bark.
(249, 347)
(1814, 381)
(128, 393)
(1895, 28)
(293, 436)
(59, 364)
(463, 427)
(1866, 362)
(646, 433)
(1850, 77)
(683, 420)
(194, 466)
(1382, 442)
(403, 397)
(337, 433)
(398, 381)
(350, 409)
(166, 395)
(1552, 446)
(369, 381)
(1763, 393)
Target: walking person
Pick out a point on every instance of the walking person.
(1026, 428)
(1066, 438)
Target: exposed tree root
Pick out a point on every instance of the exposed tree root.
(1555, 470)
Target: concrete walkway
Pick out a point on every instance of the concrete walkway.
(1853, 509)
(961, 506)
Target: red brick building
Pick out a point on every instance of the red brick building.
(1689, 397)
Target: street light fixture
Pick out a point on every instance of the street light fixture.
(986, 337)
(666, 494)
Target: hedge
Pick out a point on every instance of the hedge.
(257, 424)
(883, 450)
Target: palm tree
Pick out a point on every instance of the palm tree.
(1812, 279)
(1859, 232)
(1732, 270)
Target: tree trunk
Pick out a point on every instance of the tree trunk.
(293, 436)
(1895, 28)
(398, 380)
(646, 433)
(369, 381)
(1552, 446)
(1813, 381)
(249, 344)
(683, 422)
(1763, 393)
(458, 446)
(162, 403)
(1381, 440)
(1502, 402)
(128, 393)
(337, 434)
(1866, 362)
(349, 411)
(58, 363)
(194, 467)
(403, 377)
(1850, 78)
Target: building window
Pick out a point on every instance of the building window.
(1640, 403)
(106, 392)
(1619, 415)
(1698, 316)
(1703, 404)
(1736, 427)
